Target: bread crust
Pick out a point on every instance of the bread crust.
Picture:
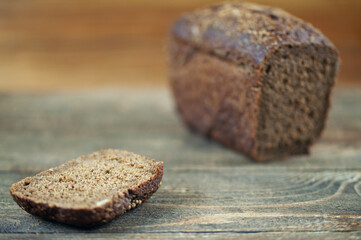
(89, 217)
(244, 33)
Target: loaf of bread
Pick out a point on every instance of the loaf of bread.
(252, 77)
(90, 190)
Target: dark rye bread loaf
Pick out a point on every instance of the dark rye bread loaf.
(90, 190)
(252, 77)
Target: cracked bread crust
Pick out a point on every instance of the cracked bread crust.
(93, 214)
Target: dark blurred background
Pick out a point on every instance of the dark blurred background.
(68, 45)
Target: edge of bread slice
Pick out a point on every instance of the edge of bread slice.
(90, 190)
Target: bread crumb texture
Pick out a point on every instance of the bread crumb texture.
(107, 181)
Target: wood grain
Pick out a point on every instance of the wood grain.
(47, 45)
(231, 236)
(208, 190)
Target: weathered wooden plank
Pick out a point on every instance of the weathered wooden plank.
(223, 200)
(230, 236)
(42, 131)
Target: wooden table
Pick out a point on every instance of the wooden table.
(208, 190)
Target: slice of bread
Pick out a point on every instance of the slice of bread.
(90, 190)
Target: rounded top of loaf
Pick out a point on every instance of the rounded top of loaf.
(244, 33)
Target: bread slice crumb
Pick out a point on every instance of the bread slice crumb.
(90, 190)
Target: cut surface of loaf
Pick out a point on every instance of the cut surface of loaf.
(90, 190)
(255, 78)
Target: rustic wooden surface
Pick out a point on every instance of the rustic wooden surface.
(208, 190)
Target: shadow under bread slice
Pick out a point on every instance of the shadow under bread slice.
(90, 190)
